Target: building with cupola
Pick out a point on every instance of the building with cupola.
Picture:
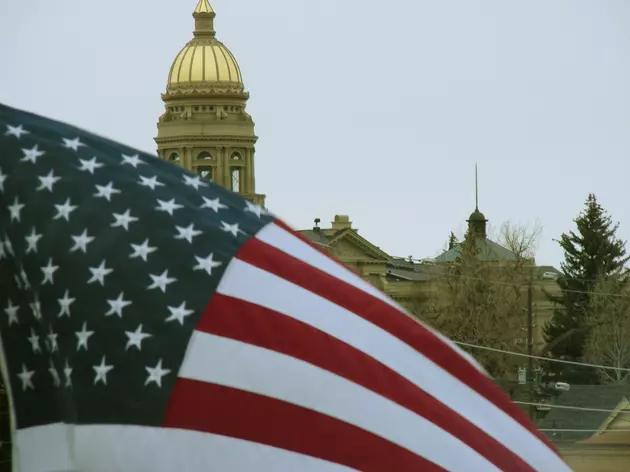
(205, 126)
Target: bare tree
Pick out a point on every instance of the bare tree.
(608, 318)
(484, 302)
(521, 239)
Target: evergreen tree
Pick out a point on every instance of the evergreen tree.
(592, 253)
(452, 240)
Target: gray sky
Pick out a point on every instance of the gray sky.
(411, 92)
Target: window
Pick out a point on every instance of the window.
(173, 157)
(205, 155)
(235, 173)
(205, 172)
(236, 157)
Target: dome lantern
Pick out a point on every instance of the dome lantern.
(204, 20)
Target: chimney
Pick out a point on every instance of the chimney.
(341, 222)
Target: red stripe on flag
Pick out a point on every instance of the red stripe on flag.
(409, 331)
(235, 413)
(253, 324)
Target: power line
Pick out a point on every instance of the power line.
(561, 361)
(511, 284)
(584, 430)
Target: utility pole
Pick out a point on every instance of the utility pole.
(530, 346)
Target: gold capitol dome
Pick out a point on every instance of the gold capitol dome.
(205, 126)
(204, 62)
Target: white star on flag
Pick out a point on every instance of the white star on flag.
(135, 338)
(90, 165)
(232, 229)
(31, 241)
(132, 160)
(31, 155)
(11, 311)
(179, 313)
(49, 272)
(47, 181)
(169, 206)
(81, 241)
(99, 273)
(15, 209)
(156, 373)
(106, 191)
(3, 179)
(64, 304)
(26, 377)
(73, 144)
(195, 182)
(123, 220)
(187, 233)
(207, 264)
(64, 210)
(67, 372)
(161, 281)
(83, 336)
(116, 306)
(16, 131)
(34, 340)
(253, 208)
(101, 372)
(142, 250)
(150, 182)
(213, 203)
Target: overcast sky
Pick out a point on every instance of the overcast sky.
(374, 109)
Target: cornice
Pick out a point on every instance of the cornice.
(194, 91)
(205, 139)
(365, 261)
(363, 243)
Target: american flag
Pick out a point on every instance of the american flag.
(154, 321)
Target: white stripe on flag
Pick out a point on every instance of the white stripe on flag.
(281, 239)
(278, 237)
(292, 380)
(246, 282)
(125, 448)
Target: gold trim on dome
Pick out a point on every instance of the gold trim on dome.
(203, 7)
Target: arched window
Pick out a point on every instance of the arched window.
(236, 157)
(205, 172)
(235, 174)
(173, 157)
(204, 156)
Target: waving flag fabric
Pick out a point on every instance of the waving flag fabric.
(154, 321)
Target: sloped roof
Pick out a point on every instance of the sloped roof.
(396, 267)
(489, 251)
(315, 236)
(604, 397)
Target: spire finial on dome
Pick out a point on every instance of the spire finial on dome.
(204, 19)
(476, 190)
(203, 6)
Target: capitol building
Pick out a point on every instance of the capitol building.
(205, 128)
